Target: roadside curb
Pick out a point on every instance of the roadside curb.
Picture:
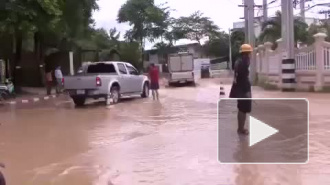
(28, 100)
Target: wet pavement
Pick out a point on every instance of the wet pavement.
(141, 141)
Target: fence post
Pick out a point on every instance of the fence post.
(268, 48)
(261, 51)
(279, 51)
(257, 58)
(319, 39)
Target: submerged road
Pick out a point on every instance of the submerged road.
(141, 141)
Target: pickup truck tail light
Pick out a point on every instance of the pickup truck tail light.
(62, 81)
(98, 81)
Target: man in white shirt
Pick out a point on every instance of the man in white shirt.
(59, 77)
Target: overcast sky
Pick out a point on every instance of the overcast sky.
(222, 12)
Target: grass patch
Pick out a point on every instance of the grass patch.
(262, 82)
(268, 86)
(325, 89)
(311, 89)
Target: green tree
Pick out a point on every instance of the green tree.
(75, 23)
(147, 20)
(19, 18)
(271, 30)
(130, 52)
(195, 27)
(314, 29)
(217, 46)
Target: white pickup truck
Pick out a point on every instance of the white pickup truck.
(181, 68)
(109, 80)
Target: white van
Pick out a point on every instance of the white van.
(181, 68)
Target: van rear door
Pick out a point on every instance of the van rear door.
(187, 63)
(175, 63)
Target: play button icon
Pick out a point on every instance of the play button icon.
(259, 131)
(278, 132)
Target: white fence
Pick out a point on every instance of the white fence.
(217, 69)
(326, 54)
(306, 59)
(312, 63)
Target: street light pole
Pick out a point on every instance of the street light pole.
(230, 54)
(288, 60)
(302, 10)
(265, 10)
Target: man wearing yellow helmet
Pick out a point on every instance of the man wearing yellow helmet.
(241, 87)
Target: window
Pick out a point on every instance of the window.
(101, 68)
(132, 70)
(122, 69)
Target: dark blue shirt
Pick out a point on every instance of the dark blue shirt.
(241, 85)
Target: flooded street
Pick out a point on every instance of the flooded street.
(141, 141)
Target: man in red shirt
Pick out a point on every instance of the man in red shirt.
(154, 80)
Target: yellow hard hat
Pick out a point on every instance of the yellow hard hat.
(246, 48)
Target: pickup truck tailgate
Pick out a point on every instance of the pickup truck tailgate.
(80, 82)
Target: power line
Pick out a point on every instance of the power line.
(274, 7)
(315, 5)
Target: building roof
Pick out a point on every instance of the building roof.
(177, 46)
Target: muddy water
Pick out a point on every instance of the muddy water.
(173, 141)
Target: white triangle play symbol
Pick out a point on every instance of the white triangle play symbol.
(259, 131)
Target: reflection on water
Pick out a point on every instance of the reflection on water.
(141, 141)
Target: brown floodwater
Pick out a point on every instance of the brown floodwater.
(140, 141)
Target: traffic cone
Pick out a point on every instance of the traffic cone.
(222, 92)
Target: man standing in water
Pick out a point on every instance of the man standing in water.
(241, 87)
(154, 81)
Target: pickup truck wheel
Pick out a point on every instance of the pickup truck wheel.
(114, 94)
(145, 93)
(79, 101)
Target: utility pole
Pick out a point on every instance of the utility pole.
(265, 8)
(302, 10)
(246, 25)
(251, 41)
(249, 33)
(288, 60)
(230, 55)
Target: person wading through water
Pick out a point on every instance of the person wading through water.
(241, 87)
(154, 81)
